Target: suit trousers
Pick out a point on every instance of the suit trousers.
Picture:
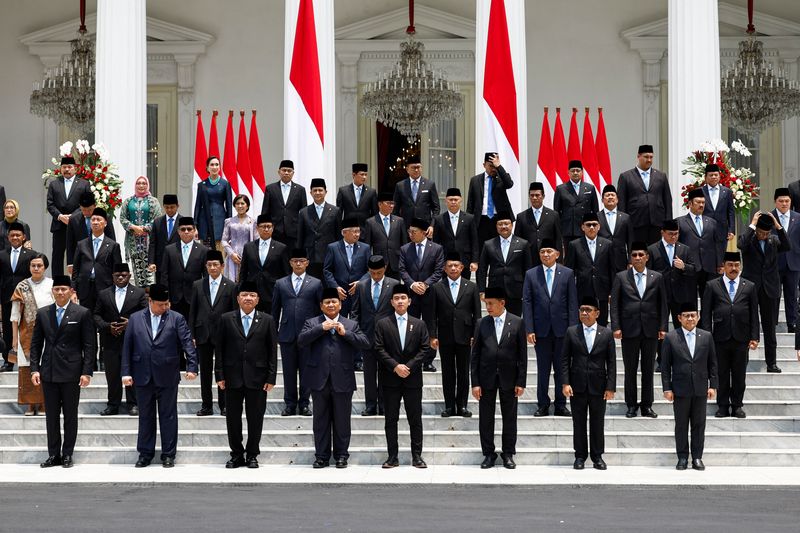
(632, 348)
(59, 249)
(455, 375)
(596, 406)
(163, 400)
(255, 405)
(114, 380)
(674, 311)
(373, 392)
(412, 401)
(293, 362)
(182, 307)
(732, 358)
(487, 229)
(789, 281)
(60, 397)
(508, 409)
(331, 422)
(603, 318)
(548, 361)
(7, 333)
(690, 411)
(703, 278)
(205, 352)
(419, 308)
(768, 311)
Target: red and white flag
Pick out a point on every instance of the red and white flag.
(603, 156)
(560, 150)
(589, 156)
(229, 158)
(243, 161)
(256, 166)
(200, 155)
(545, 167)
(574, 146)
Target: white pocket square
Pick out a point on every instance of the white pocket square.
(68, 323)
(423, 192)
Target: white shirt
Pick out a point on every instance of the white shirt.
(485, 208)
(242, 314)
(728, 284)
(636, 278)
(498, 327)
(320, 209)
(693, 343)
(454, 221)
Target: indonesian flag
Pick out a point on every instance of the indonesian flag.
(601, 148)
(200, 155)
(560, 150)
(589, 157)
(501, 74)
(229, 159)
(574, 146)
(256, 166)
(213, 141)
(545, 167)
(243, 161)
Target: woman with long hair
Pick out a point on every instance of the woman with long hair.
(11, 215)
(136, 215)
(213, 205)
(239, 230)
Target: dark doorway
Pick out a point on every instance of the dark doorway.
(393, 151)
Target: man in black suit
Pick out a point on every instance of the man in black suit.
(212, 296)
(676, 263)
(456, 231)
(80, 226)
(416, 197)
(640, 317)
(730, 307)
(184, 263)
(488, 195)
(616, 227)
(246, 368)
(644, 194)
(372, 302)
(357, 200)
(499, 363)
(165, 232)
(63, 194)
(760, 249)
(93, 264)
(456, 309)
(283, 201)
(114, 306)
(592, 260)
(63, 348)
(589, 377)
(689, 379)
(14, 267)
(719, 205)
(331, 342)
(788, 262)
(401, 342)
(318, 226)
(421, 266)
(572, 201)
(386, 234)
(699, 233)
(538, 223)
(264, 261)
(504, 261)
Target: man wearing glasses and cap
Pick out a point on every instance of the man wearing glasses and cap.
(386, 234)
(591, 259)
(488, 195)
(719, 205)
(264, 261)
(80, 226)
(318, 226)
(416, 196)
(184, 263)
(645, 195)
(94, 261)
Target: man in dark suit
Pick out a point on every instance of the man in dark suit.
(488, 195)
(760, 250)
(788, 262)
(538, 223)
(592, 260)
(644, 194)
(386, 234)
(730, 307)
(456, 231)
(456, 309)
(264, 261)
(504, 262)
(401, 342)
(80, 226)
(93, 264)
(357, 200)
(63, 348)
(416, 197)
(63, 194)
(550, 306)
(589, 377)
(616, 227)
(246, 368)
(151, 354)
(372, 302)
(283, 201)
(331, 342)
(295, 299)
(676, 263)
(640, 317)
(184, 263)
(689, 379)
(572, 201)
(499, 363)
(719, 206)
(14, 267)
(421, 266)
(345, 264)
(111, 313)
(165, 232)
(318, 227)
(212, 297)
(699, 233)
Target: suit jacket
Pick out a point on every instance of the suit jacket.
(639, 316)
(62, 354)
(571, 207)
(723, 215)
(431, 269)
(592, 278)
(707, 248)
(738, 320)
(159, 240)
(58, 203)
(315, 234)
(589, 372)
(544, 314)
(621, 239)
(106, 312)
(178, 278)
(246, 361)
(291, 310)
(454, 323)
(336, 270)
(364, 311)
(285, 215)
(508, 359)
(508, 273)
(390, 353)
(683, 374)
(10, 278)
(275, 266)
(76, 232)
(790, 260)
(549, 227)
(681, 285)
(204, 316)
(649, 207)
(157, 360)
(366, 208)
(501, 183)
(464, 241)
(387, 246)
(203, 217)
(331, 356)
(108, 254)
(427, 205)
(762, 267)
(4, 243)
(794, 193)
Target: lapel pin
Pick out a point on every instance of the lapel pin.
(411, 327)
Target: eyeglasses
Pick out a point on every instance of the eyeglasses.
(586, 310)
(638, 254)
(591, 224)
(187, 230)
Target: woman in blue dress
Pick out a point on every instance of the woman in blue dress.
(214, 204)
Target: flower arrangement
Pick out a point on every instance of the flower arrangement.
(738, 180)
(91, 164)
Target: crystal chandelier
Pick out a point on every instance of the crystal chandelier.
(66, 93)
(755, 97)
(412, 96)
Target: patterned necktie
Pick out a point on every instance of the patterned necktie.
(504, 243)
(349, 249)
(376, 294)
(298, 281)
(670, 253)
(14, 259)
(639, 285)
(419, 253)
(170, 224)
(549, 281)
(698, 223)
(732, 289)
(454, 290)
(490, 199)
(246, 324)
(401, 329)
(414, 189)
(690, 342)
(386, 225)
(498, 329)
(213, 291)
(358, 195)
(59, 315)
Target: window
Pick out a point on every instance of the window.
(442, 155)
(152, 147)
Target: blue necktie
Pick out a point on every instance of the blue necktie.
(246, 324)
(96, 242)
(490, 200)
(612, 221)
(591, 249)
(498, 329)
(646, 180)
(504, 248)
(386, 225)
(698, 224)
(690, 342)
(587, 335)
(414, 189)
(213, 291)
(170, 223)
(262, 252)
(376, 294)
(186, 251)
(454, 290)
(401, 329)
(577, 187)
(68, 186)
(88, 222)
(670, 253)
(358, 195)
(419, 253)
(297, 283)
(59, 315)
(639, 286)
(154, 321)
(319, 211)
(537, 213)
(732, 289)
(349, 249)
(549, 281)
(762, 243)
(14, 259)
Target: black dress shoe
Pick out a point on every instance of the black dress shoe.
(235, 462)
(305, 411)
(739, 413)
(252, 462)
(205, 411)
(418, 462)
(722, 413)
(648, 412)
(428, 367)
(319, 463)
(508, 461)
(579, 464)
(542, 411)
(682, 464)
(109, 411)
(66, 461)
(563, 411)
(168, 462)
(341, 462)
(697, 464)
(288, 412)
(631, 412)
(7, 368)
(369, 412)
(391, 462)
(488, 461)
(133, 411)
(359, 367)
(466, 413)
(53, 460)
(447, 413)
(223, 412)
(143, 462)
(599, 464)
(773, 369)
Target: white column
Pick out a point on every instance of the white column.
(791, 128)
(651, 101)
(694, 100)
(347, 125)
(186, 123)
